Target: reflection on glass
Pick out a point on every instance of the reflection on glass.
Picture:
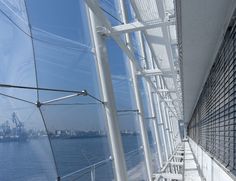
(71, 109)
(127, 113)
(78, 138)
(149, 123)
(51, 116)
(66, 19)
(25, 151)
(17, 66)
(110, 9)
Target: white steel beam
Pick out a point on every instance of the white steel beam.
(171, 100)
(150, 66)
(138, 99)
(165, 121)
(158, 106)
(166, 35)
(94, 6)
(138, 26)
(171, 161)
(166, 129)
(151, 103)
(166, 90)
(169, 176)
(177, 163)
(169, 129)
(107, 93)
(153, 72)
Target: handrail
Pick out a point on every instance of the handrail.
(100, 163)
(130, 154)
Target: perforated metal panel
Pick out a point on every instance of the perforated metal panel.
(213, 124)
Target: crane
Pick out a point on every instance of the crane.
(19, 130)
(17, 122)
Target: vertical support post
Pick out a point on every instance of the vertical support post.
(167, 128)
(161, 84)
(143, 129)
(170, 129)
(109, 99)
(161, 120)
(93, 172)
(173, 131)
(151, 102)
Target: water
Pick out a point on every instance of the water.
(33, 161)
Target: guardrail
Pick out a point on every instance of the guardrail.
(90, 170)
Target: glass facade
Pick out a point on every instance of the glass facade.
(53, 116)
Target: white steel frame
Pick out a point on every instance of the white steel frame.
(165, 110)
(109, 100)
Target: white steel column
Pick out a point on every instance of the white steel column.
(143, 129)
(161, 125)
(161, 84)
(158, 102)
(151, 102)
(109, 99)
(167, 128)
(170, 129)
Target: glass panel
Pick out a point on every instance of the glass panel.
(25, 151)
(127, 112)
(17, 64)
(62, 18)
(149, 123)
(64, 69)
(17, 7)
(142, 61)
(16, 12)
(110, 9)
(68, 90)
(79, 140)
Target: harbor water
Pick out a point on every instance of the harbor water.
(33, 160)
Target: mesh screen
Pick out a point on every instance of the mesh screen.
(213, 124)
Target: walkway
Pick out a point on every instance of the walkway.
(191, 172)
(180, 166)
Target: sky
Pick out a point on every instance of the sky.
(63, 60)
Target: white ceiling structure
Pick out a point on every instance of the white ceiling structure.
(203, 24)
(162, 41)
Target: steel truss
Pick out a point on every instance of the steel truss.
(165, 103)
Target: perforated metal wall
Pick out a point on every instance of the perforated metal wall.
(213, 124)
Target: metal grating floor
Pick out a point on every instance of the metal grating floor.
(191, 172)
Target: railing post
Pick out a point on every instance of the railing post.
(104, 78)
(93, 173)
